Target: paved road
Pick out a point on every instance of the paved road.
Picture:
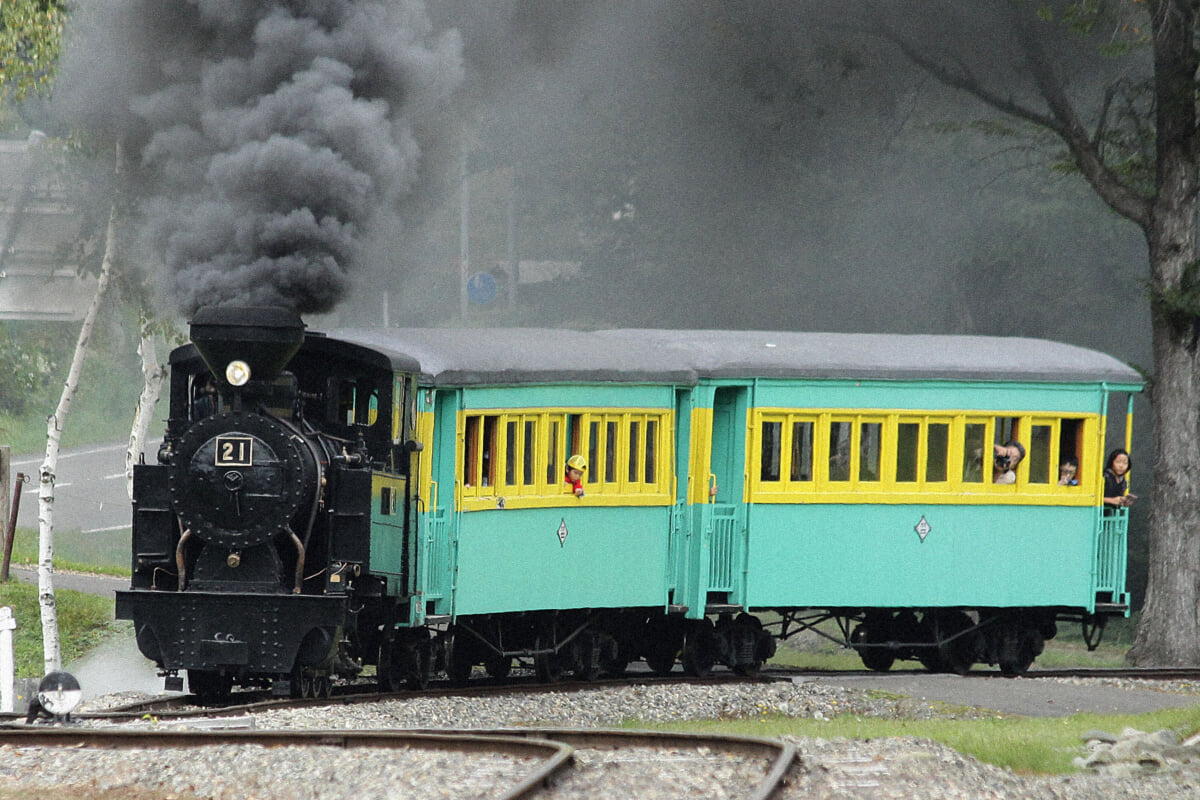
(90, 494)
(1025, 696)
(102, 585)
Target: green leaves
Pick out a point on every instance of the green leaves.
(30, 41)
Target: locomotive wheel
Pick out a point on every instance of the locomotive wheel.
(209, 686)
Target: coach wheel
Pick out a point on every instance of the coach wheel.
(459, 659)
(614, 659)
(661, 641)
(953, 651)
(879, 659)
(1018, 649)
(699, 650)
(498, 666)
(209, 686)
(547, 665)
(587, 652)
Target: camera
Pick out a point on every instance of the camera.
(1003, 462)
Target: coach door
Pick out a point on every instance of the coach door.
(723, 527)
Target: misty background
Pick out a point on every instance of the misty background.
(626, 163)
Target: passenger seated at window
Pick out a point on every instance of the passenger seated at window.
(1004, 463)
(573, 477)
(1068, 472)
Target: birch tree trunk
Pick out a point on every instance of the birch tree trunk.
(54, 425)
(153, 374)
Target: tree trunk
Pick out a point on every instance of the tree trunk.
(54, 425)
(153, 375)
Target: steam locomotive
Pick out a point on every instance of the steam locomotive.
(395, 499)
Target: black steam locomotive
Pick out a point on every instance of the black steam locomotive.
(252, 533)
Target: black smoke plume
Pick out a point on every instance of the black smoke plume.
(271, 138)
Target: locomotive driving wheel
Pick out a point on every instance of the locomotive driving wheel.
(209, 686)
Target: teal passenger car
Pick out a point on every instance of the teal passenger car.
(398, 498)
(813, 476)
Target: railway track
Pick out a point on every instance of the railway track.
(186, 706)
(549, 757)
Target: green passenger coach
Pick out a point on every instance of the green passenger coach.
(818, 477)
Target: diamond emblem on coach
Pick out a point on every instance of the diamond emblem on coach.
(562, 533)
(923, 528)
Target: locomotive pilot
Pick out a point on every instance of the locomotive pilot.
(573, 476)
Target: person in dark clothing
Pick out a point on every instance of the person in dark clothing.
(1116, 488)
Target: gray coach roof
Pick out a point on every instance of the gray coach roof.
(465, 356)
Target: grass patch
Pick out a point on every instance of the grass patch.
(1029, 745)
(103, 552)
(83, 620)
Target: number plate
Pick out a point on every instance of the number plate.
(235, 451)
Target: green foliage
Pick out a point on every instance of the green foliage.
(102, 410)
(32, 357)
(83, 620)
(1039, 745)
(30, 40)
(102, 552)
(1179, 305)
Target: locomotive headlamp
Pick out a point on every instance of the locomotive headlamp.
(237, 373)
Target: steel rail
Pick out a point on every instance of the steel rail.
(779, 753)
(552, 756)
(184, 705)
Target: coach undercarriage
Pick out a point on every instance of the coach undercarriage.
(943, 639)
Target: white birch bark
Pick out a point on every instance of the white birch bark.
(51, 648)
(153, 374)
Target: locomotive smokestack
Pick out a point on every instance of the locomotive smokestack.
(264, 337)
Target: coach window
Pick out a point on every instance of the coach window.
(650, 470)
(1038, 453)
(1070, 444)
(840, 432)
(610, 452)
(937, 448)
(974, 439)
(635, 427)
(802, 451)
(555, 457)
(771, 448)
(908, 438)
(870, 439)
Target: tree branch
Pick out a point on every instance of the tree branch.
(1062, 119)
